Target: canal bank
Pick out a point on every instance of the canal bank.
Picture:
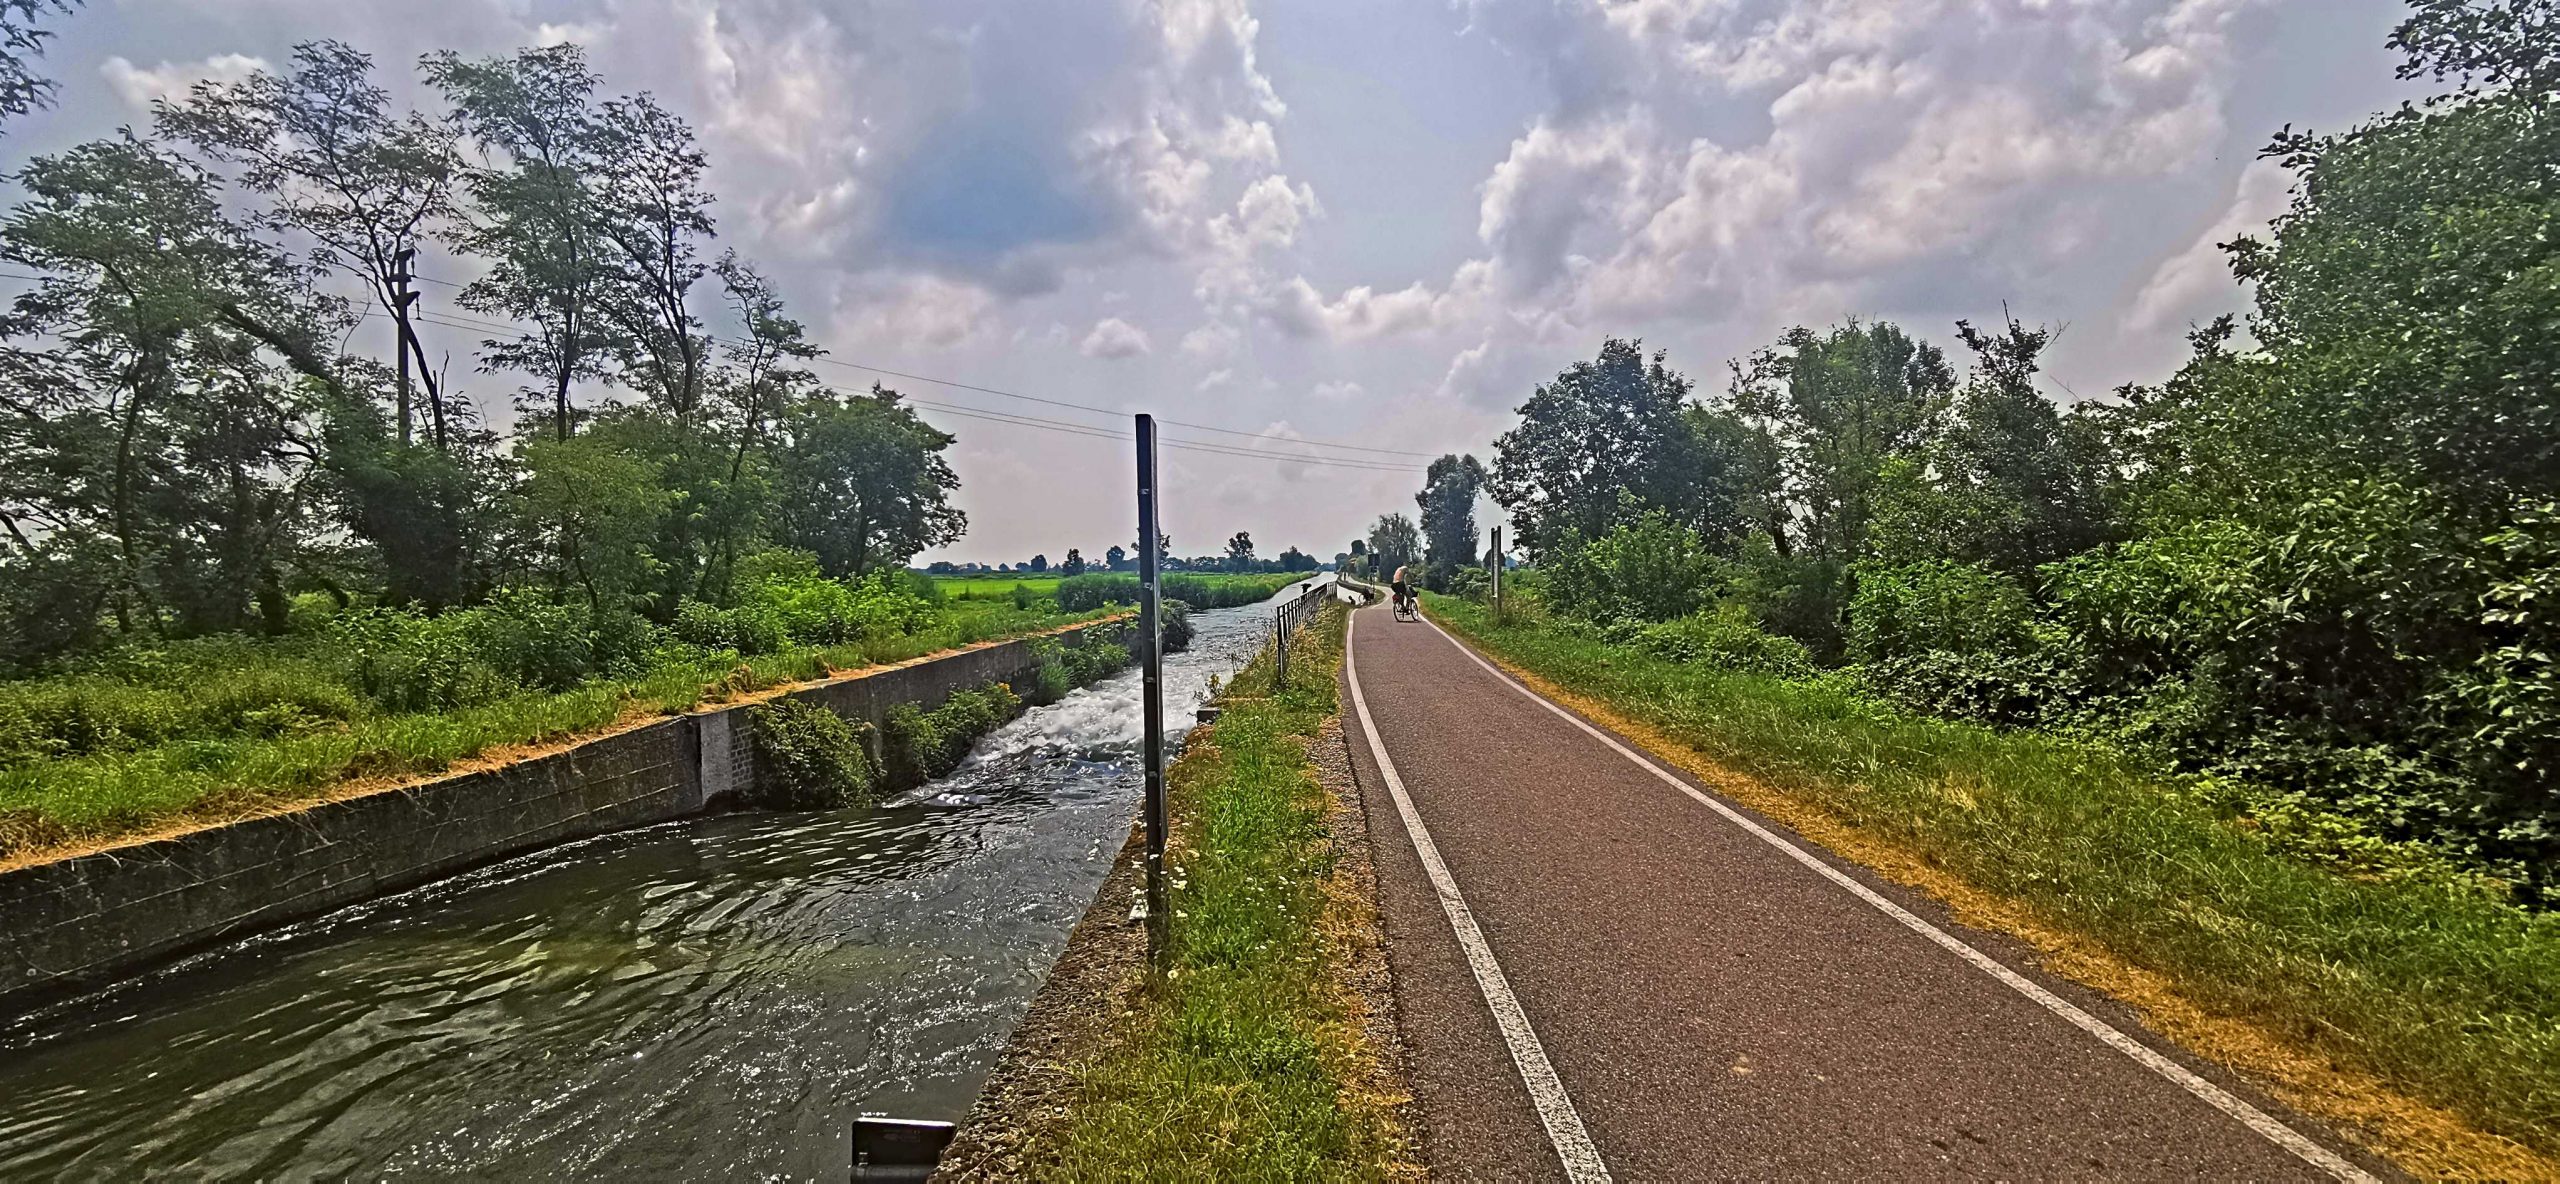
(714, 996)
(78, 923)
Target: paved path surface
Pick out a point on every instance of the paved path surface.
(1630, 983)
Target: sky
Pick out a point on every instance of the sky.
(1364, 230)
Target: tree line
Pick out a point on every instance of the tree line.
(2322, 558)
(194, 436)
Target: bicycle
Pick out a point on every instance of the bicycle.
(1407, 609)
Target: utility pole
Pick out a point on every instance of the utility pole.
(1151, 655)
(401, 299)
(1497, 573)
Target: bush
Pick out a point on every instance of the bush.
(777, 613)
(403, 661)
(918, 746)
(1092, 590)
(1176, 626)
(1729, 636)
(1651, 569)
(1939, 605)
(1794, 596)
(808, 758)
(1473, 583)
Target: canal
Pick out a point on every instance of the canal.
(711, 998)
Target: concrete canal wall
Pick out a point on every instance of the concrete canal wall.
(82, 922)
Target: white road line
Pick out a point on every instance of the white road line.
(2265, 1124)
(1573, 1144)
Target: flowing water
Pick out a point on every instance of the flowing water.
(711, 998)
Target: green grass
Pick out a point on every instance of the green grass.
(2444, 991)
(99, 797)
(1241, 1060)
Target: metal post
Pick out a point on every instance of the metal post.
(1497, 573)
(1151, 654)
(401, 299)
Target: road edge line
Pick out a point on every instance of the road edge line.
(1565, 1132)
(2231, 1105)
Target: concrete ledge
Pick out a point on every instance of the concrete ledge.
(79, 923)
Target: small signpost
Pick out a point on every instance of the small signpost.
(1151, 659)
(1497, 573)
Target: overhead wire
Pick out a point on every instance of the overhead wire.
(1014, 419)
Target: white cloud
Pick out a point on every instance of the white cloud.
(1211, 341)
(2195, 283)
(1115, 338)
(171, 80)
(1337, 391)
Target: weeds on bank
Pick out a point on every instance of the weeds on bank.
(1241, 1059)
(299, 745)
(2438, 987)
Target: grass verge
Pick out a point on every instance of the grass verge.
(62, 807)
(1243, 1056)
(2422, 1014)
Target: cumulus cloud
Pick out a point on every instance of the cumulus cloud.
(1876, 145)
(1337, 391)
(138, 86)
(1115, 338)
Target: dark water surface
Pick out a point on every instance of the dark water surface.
(712, 998)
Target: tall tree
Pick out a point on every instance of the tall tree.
(1394, 542)
(177, 446)
(536, 218)
(1601, 428)
(1839, 404)
(335, 164)
(1074, 566)
(1240, 552)
(863, 483)
(1448, 504)
(652, 211)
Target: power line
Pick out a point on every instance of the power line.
(1005, 394)
(1012, 419)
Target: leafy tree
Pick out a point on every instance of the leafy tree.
(167, 446)
(602, 507)
(1838, 404)
(1074, 566)
(1601, 427)
(1395, 542)
(21, 90)
(1448, 503)
(1038, 563)
(1294, 559)
(539, 222)
(863, 484)
(1240, 552)
(1117, 558)
(335, 165)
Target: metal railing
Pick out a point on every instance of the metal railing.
(1292, 617)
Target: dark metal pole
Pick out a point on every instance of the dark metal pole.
(1151, 654)
(1497, 573)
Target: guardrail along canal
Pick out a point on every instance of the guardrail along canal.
(712, 998)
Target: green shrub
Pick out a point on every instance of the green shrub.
(1939, 605)
(808, 758)
(403, 661)
(1796, 596)
(1473, 583)
(918, 746)
(1092, 590)
(1728, 635)
(1023, 598)
(1175, 626)
(1651, 569)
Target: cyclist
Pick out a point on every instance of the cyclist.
(1403, 590)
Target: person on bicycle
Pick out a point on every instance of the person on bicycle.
(1403, 589)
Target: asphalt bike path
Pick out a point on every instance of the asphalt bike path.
(1605, 971)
